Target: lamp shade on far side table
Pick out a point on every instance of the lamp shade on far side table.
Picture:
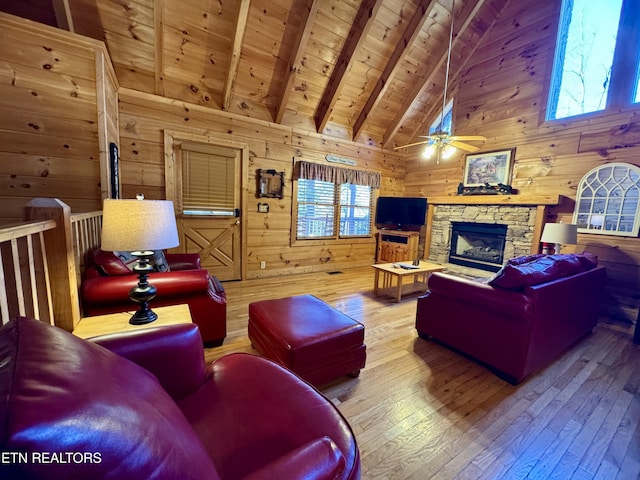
(139, 227)
(560, 234)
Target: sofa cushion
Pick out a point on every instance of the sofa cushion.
(588, 260)
(525, 259)
(517, 274)
(63, 395)
(159, 261)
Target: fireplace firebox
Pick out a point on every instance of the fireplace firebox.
(477, 245)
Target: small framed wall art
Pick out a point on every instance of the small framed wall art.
(270, 184)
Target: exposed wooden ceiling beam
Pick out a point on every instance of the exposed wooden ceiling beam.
(358, 33)
(308, 14)
(455, 74)
(241, 25)
(63, 14)
(421, 87)
(158, 23)
(393, 65)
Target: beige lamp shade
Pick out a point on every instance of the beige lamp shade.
(138, 225)
(559, 234)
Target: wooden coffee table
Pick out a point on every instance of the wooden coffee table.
(394, 273)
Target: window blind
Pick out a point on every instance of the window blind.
(208, 182)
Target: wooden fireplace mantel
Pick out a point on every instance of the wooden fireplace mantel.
(495, 200)
(541, 202)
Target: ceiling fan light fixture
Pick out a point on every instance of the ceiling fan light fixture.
(429, 151)
(448, 151)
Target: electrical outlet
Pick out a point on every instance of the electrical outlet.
(263, 265)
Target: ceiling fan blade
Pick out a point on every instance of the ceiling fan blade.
(410, 145)
(467, 137)
(431, 137)
(464, 146)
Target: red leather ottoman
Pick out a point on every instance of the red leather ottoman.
(307, 336)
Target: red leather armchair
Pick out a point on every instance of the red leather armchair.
(116, 407)
(106, 282)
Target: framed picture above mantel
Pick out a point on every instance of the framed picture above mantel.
(488, 168)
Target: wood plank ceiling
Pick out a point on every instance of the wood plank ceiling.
(369, 70)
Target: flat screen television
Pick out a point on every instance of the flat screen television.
(401, 213)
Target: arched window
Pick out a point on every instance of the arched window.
(608, 200)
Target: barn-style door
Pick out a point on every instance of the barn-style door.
(217, 241)
(207, 188)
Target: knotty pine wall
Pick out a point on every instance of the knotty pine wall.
(144, 117)
(58, 113)
(502, 94)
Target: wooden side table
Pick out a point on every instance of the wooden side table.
(119, 322)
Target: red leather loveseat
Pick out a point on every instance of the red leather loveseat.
(522, 319)
(106, 282)
(143, 405)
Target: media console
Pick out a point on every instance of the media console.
(397, 246)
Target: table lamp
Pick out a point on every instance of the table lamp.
(597, 221)
(139, 226)
(559, 234)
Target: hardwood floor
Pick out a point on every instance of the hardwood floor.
(421, 411)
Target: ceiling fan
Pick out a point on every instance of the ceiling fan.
(441, 141)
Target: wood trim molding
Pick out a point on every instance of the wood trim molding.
(496, 200)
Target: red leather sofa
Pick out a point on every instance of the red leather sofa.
(143, 405)
(106, 282)
(519, 321)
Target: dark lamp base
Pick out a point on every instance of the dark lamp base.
(143, 292)
(142, 317)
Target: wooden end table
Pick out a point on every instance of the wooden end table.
(89, 327)
(394, 271)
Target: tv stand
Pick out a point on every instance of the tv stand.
(397, 246)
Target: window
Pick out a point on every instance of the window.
(608, 200)
(208, 180)
(444, 121)
(596, 56)
(325, 208)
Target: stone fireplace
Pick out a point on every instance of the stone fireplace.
(523, 225)
(478, 245)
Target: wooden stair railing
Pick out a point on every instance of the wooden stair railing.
(41, 262)
(25, 286)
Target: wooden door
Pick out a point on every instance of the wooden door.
(209, 220)
(217, 241)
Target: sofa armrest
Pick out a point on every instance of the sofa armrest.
(183, 261)
(174, 354)
(481, 295)
(317, 460)
(115, 289)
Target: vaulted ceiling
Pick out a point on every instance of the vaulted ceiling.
(369, 70)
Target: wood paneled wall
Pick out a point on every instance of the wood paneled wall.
(58, 112)
(501, 94)
(143, 119)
